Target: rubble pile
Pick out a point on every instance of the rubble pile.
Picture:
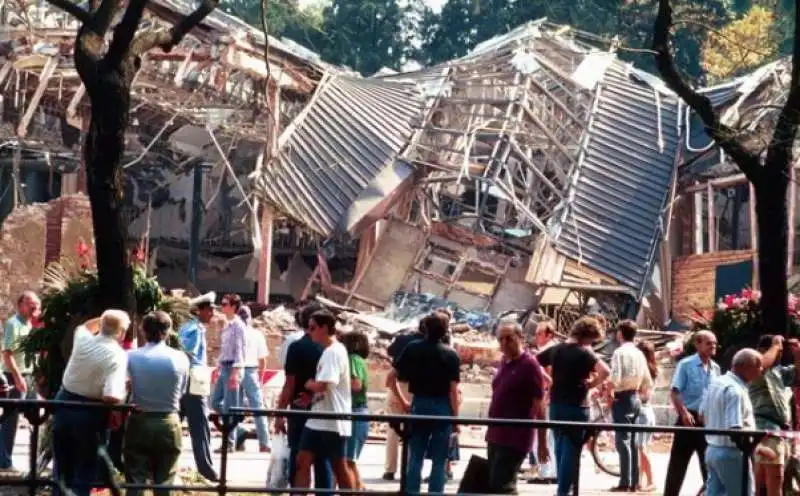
(276, 321)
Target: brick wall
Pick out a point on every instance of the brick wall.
(35, 234)
(694, 279)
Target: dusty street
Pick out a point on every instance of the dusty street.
(250, 469)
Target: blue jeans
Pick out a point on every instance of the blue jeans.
(431, 437)
(724, 467)
(223, 398)
(358, 438)
(250, 388)
(8, 429)
(77, 434)
(568, 443)
(323, 473)
(624, 410)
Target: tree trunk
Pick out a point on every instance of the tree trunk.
(773, 236)
(105, 146)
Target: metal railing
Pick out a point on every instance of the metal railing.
(38, 411)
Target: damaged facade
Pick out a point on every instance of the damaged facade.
(714, 238)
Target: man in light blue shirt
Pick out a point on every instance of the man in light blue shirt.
(195, 406)
(17, 372)
(159, 376)
(726, 406)
(692, 377)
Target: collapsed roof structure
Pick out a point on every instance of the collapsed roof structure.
(535, 140)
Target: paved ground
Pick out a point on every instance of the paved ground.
(250, 469)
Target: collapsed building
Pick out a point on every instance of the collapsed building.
(533, 173)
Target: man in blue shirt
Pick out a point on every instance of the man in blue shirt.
(692, 377)
(159, 375)
(194, 406)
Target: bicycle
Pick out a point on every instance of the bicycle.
(601, 444)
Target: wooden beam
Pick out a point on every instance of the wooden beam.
(72, 108)
(712, 230)
(44, 78)
(265, 256)
(698, 223)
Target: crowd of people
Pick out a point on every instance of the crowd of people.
(326, 371)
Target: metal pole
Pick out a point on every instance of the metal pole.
(748, 445)
(33, 473)
(404, 429)
(226, 443)
(197, 222)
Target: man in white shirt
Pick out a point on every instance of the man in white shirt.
(96, 373)
(255, 363)
(326, 438)
(727, 405)
(629, 372)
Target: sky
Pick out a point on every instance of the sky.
(436, 5)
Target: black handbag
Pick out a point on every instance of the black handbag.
(476, 477)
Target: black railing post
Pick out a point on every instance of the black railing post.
(404, 429)
(226, 444)
(747, 445)
(34, 418)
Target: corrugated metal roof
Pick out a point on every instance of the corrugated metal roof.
(351, 131)
(613, 225)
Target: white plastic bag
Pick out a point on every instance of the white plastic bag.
(278, 473)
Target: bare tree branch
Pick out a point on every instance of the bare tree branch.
(747, 161)
(72, 9)
(124, 33)
(103, 16)
(779, 153)
(167, 39)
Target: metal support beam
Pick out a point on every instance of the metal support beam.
(197, 221)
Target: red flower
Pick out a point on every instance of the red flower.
(730, 300)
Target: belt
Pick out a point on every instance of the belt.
(629, 392)
(227, 363)
(139, 413)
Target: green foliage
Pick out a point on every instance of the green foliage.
(741, 46)
(70, 299)
(367, 35)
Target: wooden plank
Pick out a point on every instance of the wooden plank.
(44, 77)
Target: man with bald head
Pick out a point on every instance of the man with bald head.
(16, 372)
(690, 382)
(517, 393)
(726, 406)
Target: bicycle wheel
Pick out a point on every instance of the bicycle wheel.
(604, 452)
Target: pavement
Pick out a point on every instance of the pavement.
(249, 469)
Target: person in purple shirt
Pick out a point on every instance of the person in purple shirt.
(517, 393)
(231, 357)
